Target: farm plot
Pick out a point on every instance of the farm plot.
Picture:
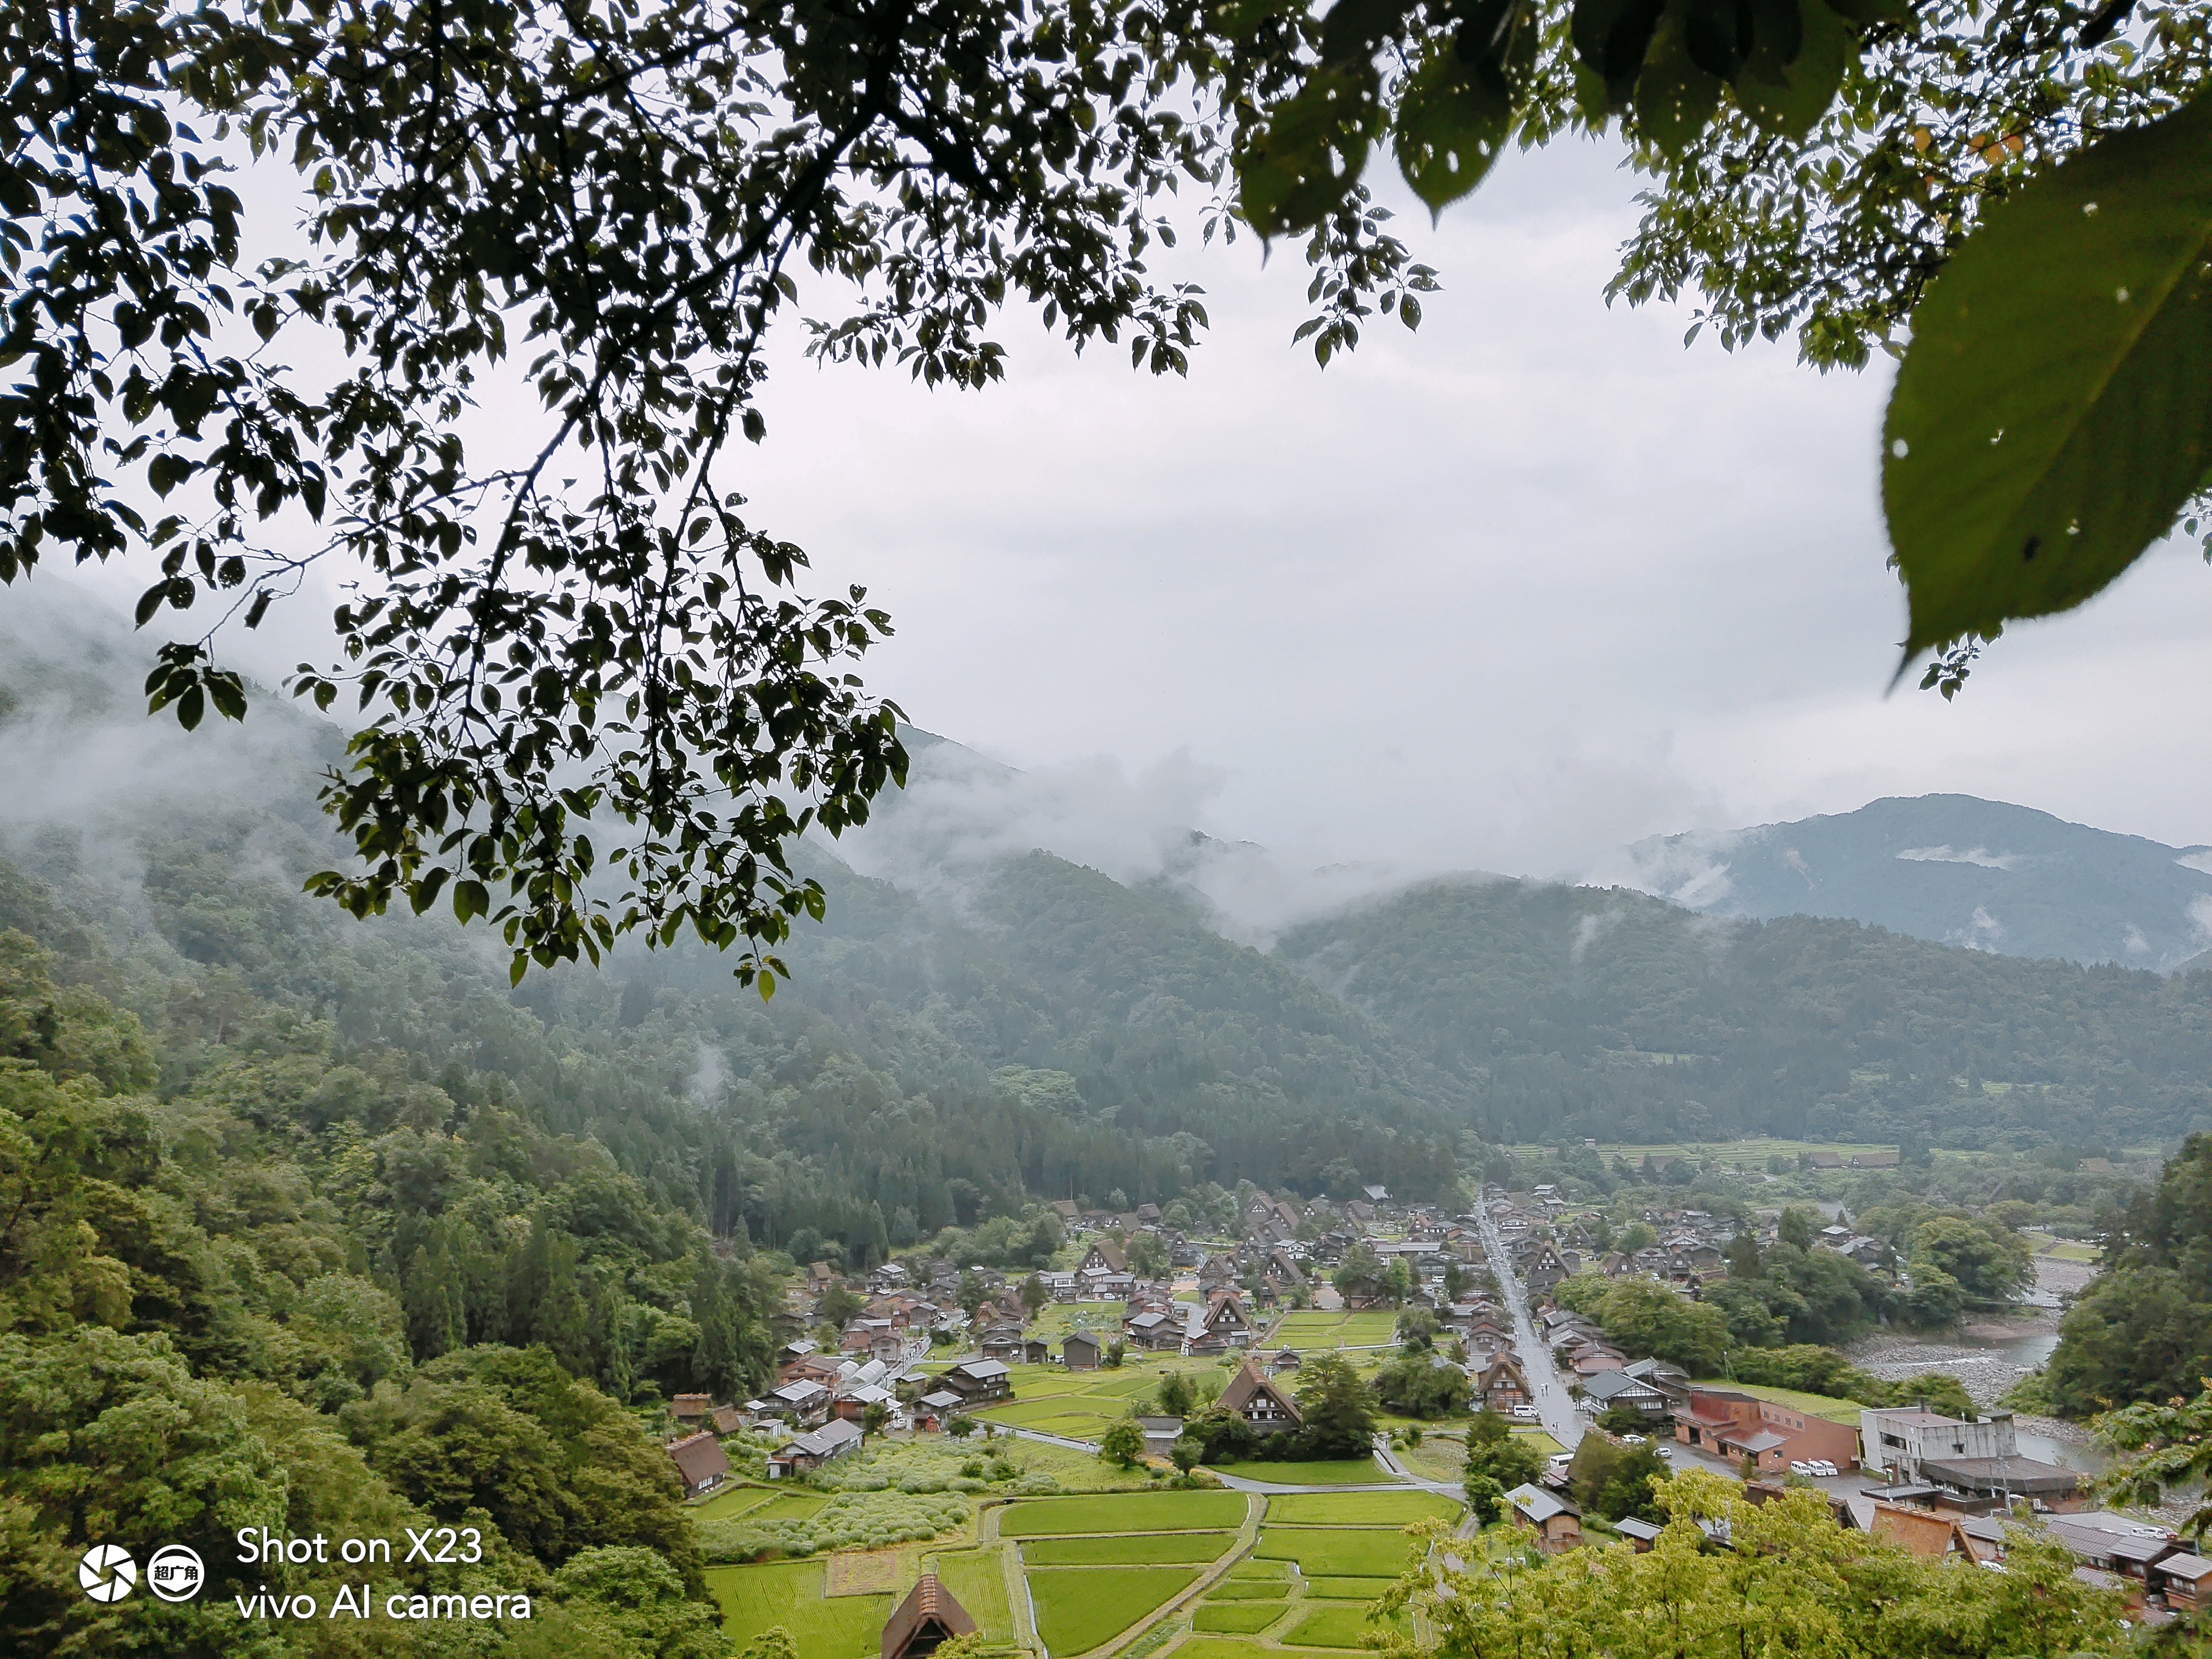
(729, 1505)
(1081, 1404)
(1234, 1589)
(1341, 1625)
(1149, 1511)
(789, 1594)
(977, 1579)
(1350, 1472)
(1079, 1607)
(1238, 1647)
(1352, 1552)
(1238, 1618)
(1362, 1590)
(1143, 1549)
(1335, 1330)
(1359, 1509)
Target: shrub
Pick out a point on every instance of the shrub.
(848, 1521)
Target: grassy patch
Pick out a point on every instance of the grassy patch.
(1151, 1512)
(1812, 1405)
(1334, 1330)
(1245, 1618)
(791, 1506)
(1233, 1588)
(1143, 1549)
(1229, 1647)
(729, 1505)
(977, 1579)
(1352, 1471)
(789, 1594)
(1326, 1550)
(1362, 1590)
(1251, 1567)
(1358, 1509)
(1078, 1607)
(1342, 1627)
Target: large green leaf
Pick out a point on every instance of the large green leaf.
(2055, 410)
(1452, 121)
(1674, 98)
(1791, 76)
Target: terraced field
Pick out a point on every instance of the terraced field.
(789, 1594)
(1314, 1329)
(1081, 1404)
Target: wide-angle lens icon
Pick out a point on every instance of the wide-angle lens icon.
(107, 1572)
(175, 1573)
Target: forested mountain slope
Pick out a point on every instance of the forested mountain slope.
(1575, 1011)
(1954, 869)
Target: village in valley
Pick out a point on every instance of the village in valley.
(1257, 1401)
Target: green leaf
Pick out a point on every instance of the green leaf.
(1674, 98)
(2054, 412)
(1313, 151)
(470, 899)
(1452, 121)
(1786, 94)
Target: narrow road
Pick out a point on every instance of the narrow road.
(1555, 1407)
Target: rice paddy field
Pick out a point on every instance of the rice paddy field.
(1359, 1471)
(789, 1594)
(1142, 1549)
(977, 1579)
(1359, 1509)
(1337, 1551)
(1313, 1328)
(1079, 1607)
(1080, 1404)
(1156, 1511)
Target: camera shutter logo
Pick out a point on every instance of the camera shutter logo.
(107, 1572)
(175, 1573)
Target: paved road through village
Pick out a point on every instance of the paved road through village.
(1554, 1404)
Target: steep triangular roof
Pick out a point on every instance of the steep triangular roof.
(928, 1607)
(1249, 1384)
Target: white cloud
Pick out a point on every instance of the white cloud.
(1981, 932)
(2199, 912)
(1980, 856)
(2199, 859)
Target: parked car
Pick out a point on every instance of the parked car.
(1801, 1468)
(1524, 1411)
(1665, 1451)
(1632, 1440)
(1822, 1466)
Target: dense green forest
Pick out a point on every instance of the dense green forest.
(1571, 1011)
(2143, 1331)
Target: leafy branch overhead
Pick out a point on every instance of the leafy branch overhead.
(592, 697)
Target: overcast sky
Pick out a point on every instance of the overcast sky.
(1529, 584)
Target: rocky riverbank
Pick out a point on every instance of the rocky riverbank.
(1984, 1373)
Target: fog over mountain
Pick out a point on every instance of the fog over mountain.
(1952, 868)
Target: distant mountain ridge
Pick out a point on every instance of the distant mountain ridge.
(1954, 869)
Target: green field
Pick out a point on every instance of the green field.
(1150, 1511)
(1235, 1588)
(1362, 1590)
(1245, 1618)
(1313, 1329)
(1361, 1472)
(1812, 1405)
(729, 1505)
(1234, 1647)
(1358, 1509)
(1081, 1404)
(977, 1579)
(1343, 1551)
(1269, 1571)
(790, 1506)
(1078, 1607)
(789, 1594)
(1144, 1549)
(1342, 1627)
